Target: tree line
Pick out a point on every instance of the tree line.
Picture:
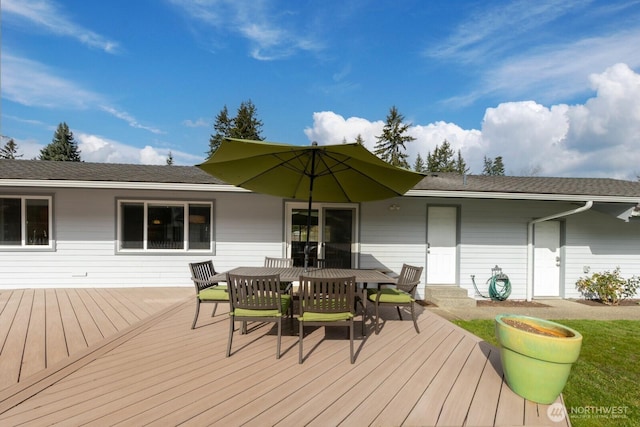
(390, 146)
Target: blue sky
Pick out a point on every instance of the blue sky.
(551, 86)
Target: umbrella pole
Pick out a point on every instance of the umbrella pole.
(307, 249)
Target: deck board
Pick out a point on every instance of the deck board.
(33, 359)
(74, 336)
(13, 349)
(392, 374)
(483, 407)
(56, 345)
(140, 366)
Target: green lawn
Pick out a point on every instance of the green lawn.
(604, 386)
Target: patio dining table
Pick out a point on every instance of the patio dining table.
(292, 274)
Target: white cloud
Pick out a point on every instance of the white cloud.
(94, 148)
(45, 14)
(123, 115)
(488, 30)
(331, 128)
(269, 35)
(599, 138)
(31, 83)
(561, 72)
(200, 122)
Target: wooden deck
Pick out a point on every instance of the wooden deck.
(139, 363)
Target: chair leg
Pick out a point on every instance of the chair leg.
(231, 324)
(215, 307)
(351, 341)
(377, 318)
(413, 314)
(300, 336)
(364, 313)
(279, 335)
(399, 312)
(195, 319)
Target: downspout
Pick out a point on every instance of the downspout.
(530, 225)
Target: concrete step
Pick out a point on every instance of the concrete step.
(449, 296)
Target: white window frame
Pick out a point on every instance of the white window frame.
(152, 202)
(23, 224)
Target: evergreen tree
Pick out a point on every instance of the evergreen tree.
(390, 146)
(493, 167)
(62, 147)
(359, 140)
(419, 165)
(245, 125)
(461, 165)
(442, 160)
(222, 126)
(10, 150)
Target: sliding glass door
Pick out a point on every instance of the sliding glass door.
(332, 234)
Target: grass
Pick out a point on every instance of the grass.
(603, 387)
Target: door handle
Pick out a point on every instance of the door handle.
(557, 261)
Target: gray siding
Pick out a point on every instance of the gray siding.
(249, 227)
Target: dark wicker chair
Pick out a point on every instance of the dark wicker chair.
(278, 262)
(256, 299)
(402, 294)
(287, 287)
(326, 302)
(206, 290)
(330, 263)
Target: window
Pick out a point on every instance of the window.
(25, 221)
(165, 225)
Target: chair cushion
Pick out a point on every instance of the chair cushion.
(310, 316)
(215, 293)
(285, 301)
(243, 312)
(391, 295)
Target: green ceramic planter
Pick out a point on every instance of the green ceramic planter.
(536, 366)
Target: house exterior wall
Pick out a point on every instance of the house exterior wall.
(249, 227)
(494, 232)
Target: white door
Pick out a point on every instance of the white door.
(441, 245)
(546, 259)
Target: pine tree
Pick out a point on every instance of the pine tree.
(461, 165)
(222, 126)
(442, 160)
(10, 150)
(419, 165)
(390, 146)
(62, 147)
(245, 125)
(359, 140)
(493, 167)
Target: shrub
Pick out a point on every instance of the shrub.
(608, 286)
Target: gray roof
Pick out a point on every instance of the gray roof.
(530, 185)
(83, 171)
(36, 170)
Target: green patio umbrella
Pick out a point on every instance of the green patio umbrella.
(323, 173)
